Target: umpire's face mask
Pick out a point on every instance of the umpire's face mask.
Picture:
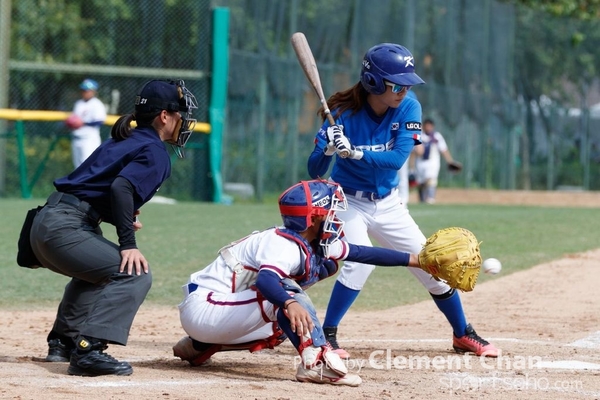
(185, 126)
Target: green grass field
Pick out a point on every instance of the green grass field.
(180, 239)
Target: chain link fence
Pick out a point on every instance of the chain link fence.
(513, 126)
(121, 44)
(471, 55)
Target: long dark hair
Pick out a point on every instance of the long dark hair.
(121, 130)
(349, 99)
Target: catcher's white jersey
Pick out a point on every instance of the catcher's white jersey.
(221, 305)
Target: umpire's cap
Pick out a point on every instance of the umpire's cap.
(159, 95)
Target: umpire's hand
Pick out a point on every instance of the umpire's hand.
(133, 258)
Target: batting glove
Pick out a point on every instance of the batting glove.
(345, 149)
(330, 149)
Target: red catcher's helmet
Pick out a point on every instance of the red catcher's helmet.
(307, 198)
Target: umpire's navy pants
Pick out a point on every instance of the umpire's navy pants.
(99, 301)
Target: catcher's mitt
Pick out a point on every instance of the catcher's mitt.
(452, 255)
(455, 166)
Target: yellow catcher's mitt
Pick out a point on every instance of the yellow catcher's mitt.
(452, 255)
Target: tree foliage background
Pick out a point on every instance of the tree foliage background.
(512, 84)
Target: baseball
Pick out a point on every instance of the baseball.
(492, 266)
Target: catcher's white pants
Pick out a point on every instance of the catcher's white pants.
(226, 318)
(391, 225)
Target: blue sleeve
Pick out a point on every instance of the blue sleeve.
(318, 162)
(377, 256)
(393, 159)
(94, 123)
(409, 134)
(268, 284)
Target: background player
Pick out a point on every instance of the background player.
(89, 113)
(380, 128)
(253, 293)
(427, 161)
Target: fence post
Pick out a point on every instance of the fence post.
(218, 97)
(20, 128)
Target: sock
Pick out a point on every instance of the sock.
(341, 299)
(450, 305)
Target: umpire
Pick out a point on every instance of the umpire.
(109, 281)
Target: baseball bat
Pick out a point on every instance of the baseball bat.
(309, 66)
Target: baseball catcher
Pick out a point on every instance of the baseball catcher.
(452, 255)
(253, 295)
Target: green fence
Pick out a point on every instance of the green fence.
(514, 91)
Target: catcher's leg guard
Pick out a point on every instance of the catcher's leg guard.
(317, 335)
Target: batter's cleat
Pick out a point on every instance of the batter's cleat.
(89, 359)
(331, 336)
(58, 351)
(197, 353)
(321, 373)
(473, 343)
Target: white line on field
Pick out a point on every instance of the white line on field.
(590, 342)
(513, 340)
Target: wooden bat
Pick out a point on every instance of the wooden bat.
(309, 66)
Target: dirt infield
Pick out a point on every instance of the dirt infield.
(546, 320)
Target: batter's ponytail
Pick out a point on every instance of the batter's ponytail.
(349, 99)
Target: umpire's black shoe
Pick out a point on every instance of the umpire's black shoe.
(89, 359)
(58, 351)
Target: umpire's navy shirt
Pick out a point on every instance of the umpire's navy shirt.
(142, 159)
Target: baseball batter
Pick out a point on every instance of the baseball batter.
(253, 295)
(380, 125)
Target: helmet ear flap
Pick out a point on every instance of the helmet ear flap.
(372, 83)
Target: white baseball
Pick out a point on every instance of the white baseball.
(492, 266)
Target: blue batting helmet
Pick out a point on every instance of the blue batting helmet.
(307, 198)
(388, 62)
(89, 84)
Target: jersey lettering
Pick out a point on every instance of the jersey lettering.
(413, 126)
(378, 147)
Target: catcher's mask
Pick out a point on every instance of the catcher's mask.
(171, 96)
(316, 197)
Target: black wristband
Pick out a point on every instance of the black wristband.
(285, 307)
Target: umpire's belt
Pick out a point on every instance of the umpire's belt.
(83, 206)
(359, 194)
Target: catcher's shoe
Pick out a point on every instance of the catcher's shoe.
(331, 336)
(58, 351)
(321, 373)
(473, 343)
(89, 359)
(197, 354)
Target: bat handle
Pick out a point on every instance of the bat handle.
(343, 153)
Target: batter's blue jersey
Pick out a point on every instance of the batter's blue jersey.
(386, 141)
(142, 159)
